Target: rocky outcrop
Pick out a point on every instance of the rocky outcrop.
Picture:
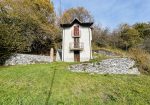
(27, 59)
(108, 66)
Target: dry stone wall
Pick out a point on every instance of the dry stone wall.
(108, 66)
(27, 59)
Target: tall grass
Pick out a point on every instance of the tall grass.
(142, 58)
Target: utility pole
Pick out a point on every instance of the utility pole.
(60, 8)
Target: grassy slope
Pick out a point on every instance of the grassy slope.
(31, 84)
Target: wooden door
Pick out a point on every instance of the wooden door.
(77, 56)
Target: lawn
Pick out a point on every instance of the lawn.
(53, 84)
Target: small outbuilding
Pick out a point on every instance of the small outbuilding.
(76, 41)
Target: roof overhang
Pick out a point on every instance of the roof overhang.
(76, 21)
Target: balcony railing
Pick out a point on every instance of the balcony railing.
(76, 46)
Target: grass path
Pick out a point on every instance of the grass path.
(53, 84)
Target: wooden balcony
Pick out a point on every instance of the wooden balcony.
(76, 46)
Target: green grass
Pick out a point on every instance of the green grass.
(117, 51)
(53, 84)
(98, 58)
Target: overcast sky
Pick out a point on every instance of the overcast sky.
(111, 13)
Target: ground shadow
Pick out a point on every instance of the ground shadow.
(51, 87)
(4, 57)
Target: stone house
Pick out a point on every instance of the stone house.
(76, 44)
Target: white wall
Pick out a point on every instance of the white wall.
(85, 55)
(67, 55)
(86, 37)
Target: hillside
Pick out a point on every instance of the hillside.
(53, 84)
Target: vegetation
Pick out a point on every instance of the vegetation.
(52, 84)
(98, 57)
(27, 26)
(79, 12)
(33, 28)
(100, 36)
(133, 41)
(142, 58)
(125, 37)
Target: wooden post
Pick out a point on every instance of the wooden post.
(52, 55)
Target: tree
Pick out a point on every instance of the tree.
(143, 29)
(36, 20)
(79, 12)
(27, 26)
(10, 41)
(100, 36)
(128, 37)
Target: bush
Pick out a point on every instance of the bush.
(142, 58)
(147, 44)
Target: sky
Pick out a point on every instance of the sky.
(111, 13)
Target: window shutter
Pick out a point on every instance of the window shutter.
(76, 30)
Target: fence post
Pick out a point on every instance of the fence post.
(51, 54)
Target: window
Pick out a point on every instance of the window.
(76, 30)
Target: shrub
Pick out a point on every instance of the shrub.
(147, 44)
(142, 58)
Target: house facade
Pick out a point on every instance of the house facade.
(76, 41)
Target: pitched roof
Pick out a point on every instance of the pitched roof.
(76, 21)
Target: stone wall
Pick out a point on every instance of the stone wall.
(108, 66)
(27, 59)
